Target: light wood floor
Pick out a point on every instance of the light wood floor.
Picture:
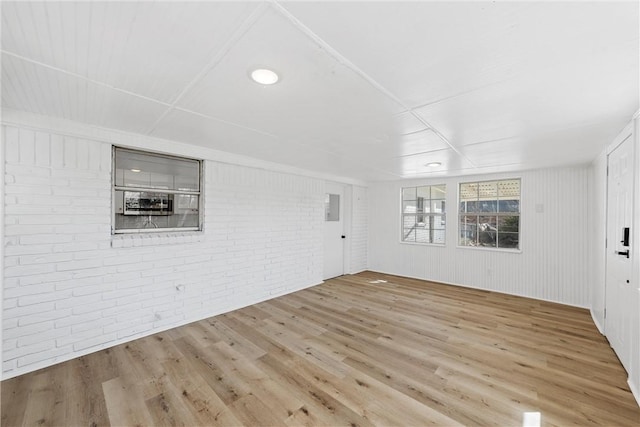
(348, 352)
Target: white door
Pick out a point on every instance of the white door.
(619, 292)
(334, 237)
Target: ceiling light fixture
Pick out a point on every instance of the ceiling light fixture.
(433, 164)
(264, 76)
(135, 170)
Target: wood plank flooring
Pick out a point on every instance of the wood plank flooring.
(361, 350)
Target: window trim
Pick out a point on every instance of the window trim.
(444, 214)
(520, 215)
(155, 231)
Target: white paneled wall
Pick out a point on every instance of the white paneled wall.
(359, 235)
(598, 226)
(553, 262)
(71, 288)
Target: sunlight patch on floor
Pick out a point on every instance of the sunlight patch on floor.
(531, 419)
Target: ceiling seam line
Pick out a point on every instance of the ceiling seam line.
(80, 76)
(420, 153)
(466, 92)
(343, 60)
(105, 85)
(195, 113)
(237, 35)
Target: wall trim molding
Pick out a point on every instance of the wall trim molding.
(597, 322)
(75, 355)
(622, 136)
(634, 390)
(441, 282)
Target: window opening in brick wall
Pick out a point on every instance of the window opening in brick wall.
(490, 214)
(424, 214)
(155, 192)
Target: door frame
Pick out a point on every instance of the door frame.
(611, 243)
(347, 219)
(634, 375)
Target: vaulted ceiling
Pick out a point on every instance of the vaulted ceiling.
(367, 90)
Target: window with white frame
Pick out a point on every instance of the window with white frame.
(423, 214)
(155, 192)
(489, 214)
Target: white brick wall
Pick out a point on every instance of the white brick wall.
(71, 288)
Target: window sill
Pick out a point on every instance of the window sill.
(437, 245)
(131, 240)
(490, 249)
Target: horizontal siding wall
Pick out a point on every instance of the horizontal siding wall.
(553, 263)
(71, 288)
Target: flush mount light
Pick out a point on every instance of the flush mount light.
(433, 164)
(264, 76)
(135, 170)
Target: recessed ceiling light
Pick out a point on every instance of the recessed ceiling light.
(433, 164)
(264, 76)
(135, 170)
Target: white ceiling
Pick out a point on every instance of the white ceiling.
(368, 90)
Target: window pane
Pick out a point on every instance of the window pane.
(424, 192)
(487, 231)
(409, 235)
(145, 210)
(438, 222)
(438, 192)
(409, 207)
(508, 240)
(187, 179)
(186, 202)
(438, 236)
(424, 205)
(438, 206)
(468, 191)
(409, 193)
(145, 170)
(508, 232)
(419, 224)
(148, 190)
(409, 228)
(487, 190)
(509, 189)
(488, 206)
(493, 198)
(422, 235)
(469, 206)
(509, 224)
(509, 206)
(468, 230)
(408, 221)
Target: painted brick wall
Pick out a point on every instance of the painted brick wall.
(71, 288)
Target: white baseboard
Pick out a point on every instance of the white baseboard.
(597, 322)
(634, 390)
